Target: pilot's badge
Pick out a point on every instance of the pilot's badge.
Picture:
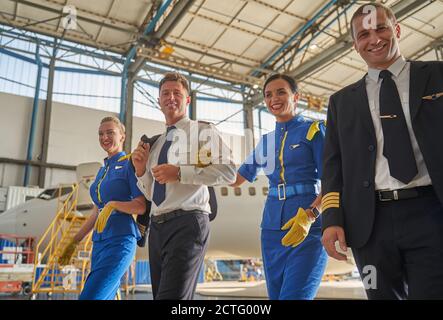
(204, 158)
(433, 96)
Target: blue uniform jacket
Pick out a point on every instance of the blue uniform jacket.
(291, 154)
(115, 181)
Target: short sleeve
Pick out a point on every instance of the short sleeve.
(253, 163)
(132, 181)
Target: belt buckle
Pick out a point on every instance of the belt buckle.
(281, 186)
(380, 197)
(158, 219)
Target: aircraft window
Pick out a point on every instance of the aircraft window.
(237, 191)
(265, 191)
(252, 191)
(224, 191)
(49, 194)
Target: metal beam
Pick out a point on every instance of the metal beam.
(62, 46)
(299, 32)
(233, 27)
(248, 122)
(47, 118)
(434, 45)
(32, 130)
(173, 18)
(345, 42)
(115, 48)
(147, 67)
(131, 55)
(280, 11)
(193, 106)
(221, 60)
(208, 82)
(39, 164)
(79, 17)
(248, 118)
(231, 87)
(199, 68)
(326, 56)
(129, 115)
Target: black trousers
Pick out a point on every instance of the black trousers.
(405, 250)
(177, 248)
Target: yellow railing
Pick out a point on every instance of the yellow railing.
(62, 229)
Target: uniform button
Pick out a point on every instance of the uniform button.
(371, 148)
(366, 183)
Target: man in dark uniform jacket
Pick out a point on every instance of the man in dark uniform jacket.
(383, 166)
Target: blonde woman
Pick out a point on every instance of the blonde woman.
(116, 198)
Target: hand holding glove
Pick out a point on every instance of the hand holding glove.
(299, 228)
(69, 250)
(102, 218)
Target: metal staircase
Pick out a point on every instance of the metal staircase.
(50, 277)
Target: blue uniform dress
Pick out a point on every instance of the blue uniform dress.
(114, 248)
(291, 158)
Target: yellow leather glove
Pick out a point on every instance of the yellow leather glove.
(69, 250)
(300, 225)
(102, 218)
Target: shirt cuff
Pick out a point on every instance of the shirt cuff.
(141, 184)
(187, 174)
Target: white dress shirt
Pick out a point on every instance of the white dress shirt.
(400, 70)
(191, 193)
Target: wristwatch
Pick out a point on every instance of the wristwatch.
(315, 212)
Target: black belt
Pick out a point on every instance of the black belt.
(173, 214)
(402, 194)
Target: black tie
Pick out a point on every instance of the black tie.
(160, 189)
(397, 142)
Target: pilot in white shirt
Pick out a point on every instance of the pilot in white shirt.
(174, 175)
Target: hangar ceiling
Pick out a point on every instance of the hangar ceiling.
(239, 41)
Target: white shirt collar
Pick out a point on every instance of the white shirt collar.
(394, 68)
(181, 124)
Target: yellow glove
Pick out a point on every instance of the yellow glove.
(66, 256)
(300, 225)
(102, 218)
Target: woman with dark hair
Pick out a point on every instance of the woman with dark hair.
(116, 198)
(291, 157)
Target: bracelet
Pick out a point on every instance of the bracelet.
(179, 174)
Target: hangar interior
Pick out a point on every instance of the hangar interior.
(107, 57)
(66, 64)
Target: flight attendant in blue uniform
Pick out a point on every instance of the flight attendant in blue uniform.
(116, 198)
(291, 157)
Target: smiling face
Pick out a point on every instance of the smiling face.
(280, 100)
(111, 138)
(173, 101)
(377, 43)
